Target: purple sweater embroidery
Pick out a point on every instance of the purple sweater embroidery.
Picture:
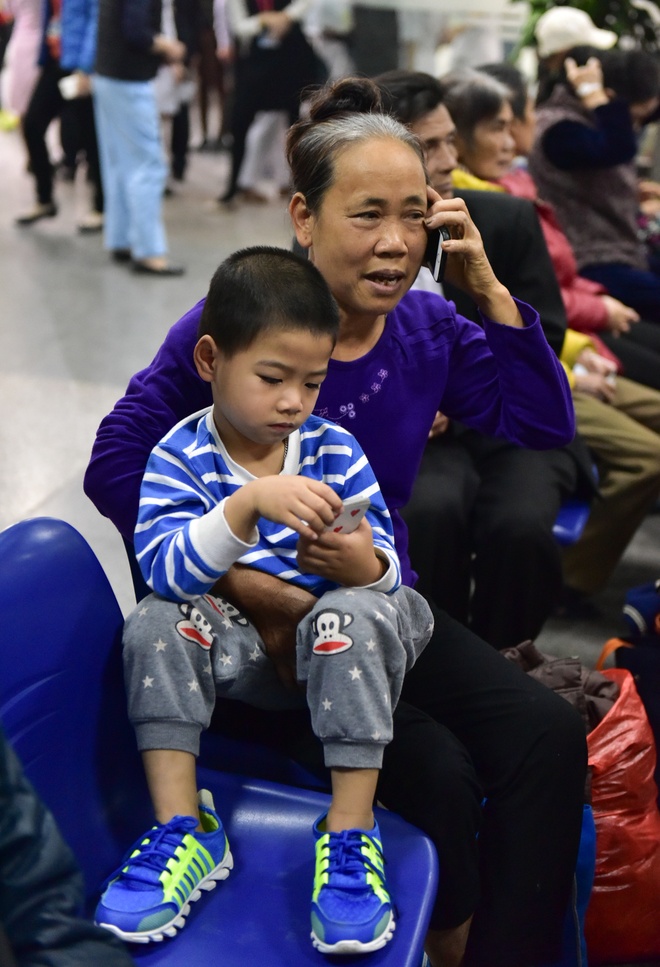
(502, 381)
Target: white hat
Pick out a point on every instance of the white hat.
(561, 28)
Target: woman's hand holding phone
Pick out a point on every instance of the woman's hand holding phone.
(467, 264)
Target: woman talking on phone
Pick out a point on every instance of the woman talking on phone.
(470, 727)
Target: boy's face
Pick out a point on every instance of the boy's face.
(262, 393)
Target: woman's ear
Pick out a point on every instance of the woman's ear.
(301, 219)
(204, 355)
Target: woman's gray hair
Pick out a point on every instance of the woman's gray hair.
(471, 96)
(313, 147)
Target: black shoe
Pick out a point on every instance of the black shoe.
(143, 268)
(47, 210)
(120, 255)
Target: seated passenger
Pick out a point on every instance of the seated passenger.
(482, 511)
(618, 418)
(633, 343)
(468, 724)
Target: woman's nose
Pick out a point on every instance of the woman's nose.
(391, 238)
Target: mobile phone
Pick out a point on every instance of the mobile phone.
(348, 520)
(436, 256)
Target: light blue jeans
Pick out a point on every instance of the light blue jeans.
(133, 166)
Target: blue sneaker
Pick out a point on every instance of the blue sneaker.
(149, 896)
(351, 907)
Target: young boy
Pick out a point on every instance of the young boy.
(257, 479)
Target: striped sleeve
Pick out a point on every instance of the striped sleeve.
(182, 540)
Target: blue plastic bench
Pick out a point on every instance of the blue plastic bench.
(63, 708)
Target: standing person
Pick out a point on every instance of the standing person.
(175, 87)
(68, 47)
(482, 510)
(131, 45)
(20, 68)
(263, 154)
(468, 725)
(214, 81)
(273, 64)
(265, 481)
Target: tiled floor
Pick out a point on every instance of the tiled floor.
(74, 327)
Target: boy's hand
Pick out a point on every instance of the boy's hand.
(306, 506)
(348, 559)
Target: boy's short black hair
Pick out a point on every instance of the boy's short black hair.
(262, 288)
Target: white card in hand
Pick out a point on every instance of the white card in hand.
(348, 520)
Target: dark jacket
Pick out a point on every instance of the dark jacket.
(516, 248)
(41, 888)
(583, 164)
(126, 31)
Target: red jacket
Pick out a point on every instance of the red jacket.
(585, 309)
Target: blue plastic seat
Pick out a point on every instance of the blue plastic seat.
(63, 708)
(573, 516)
(571, 519)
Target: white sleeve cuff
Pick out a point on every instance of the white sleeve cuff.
(215, 542)
(388, 582)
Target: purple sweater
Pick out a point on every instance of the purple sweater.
(502, 381)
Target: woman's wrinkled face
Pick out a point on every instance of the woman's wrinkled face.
(490, 151)
(368, 237)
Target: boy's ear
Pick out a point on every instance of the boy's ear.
(204, 355)
(301, 219)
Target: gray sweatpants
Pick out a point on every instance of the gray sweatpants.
(353, 650)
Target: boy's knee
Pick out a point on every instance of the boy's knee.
(150, 615)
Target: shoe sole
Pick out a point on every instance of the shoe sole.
(170, 929)
(355, 946)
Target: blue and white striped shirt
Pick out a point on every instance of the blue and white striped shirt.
(182, 540)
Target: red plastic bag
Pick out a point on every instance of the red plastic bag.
(623, 917)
